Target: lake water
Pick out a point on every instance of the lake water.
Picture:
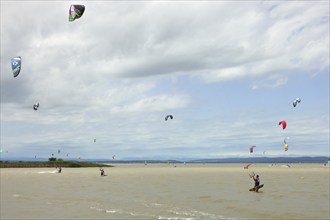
(161, 191)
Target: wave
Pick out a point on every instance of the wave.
(43, 172)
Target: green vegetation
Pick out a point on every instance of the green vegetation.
(51, 159)
(52, 162)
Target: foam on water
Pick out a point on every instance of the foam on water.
(175, 213)
(121, 212)
(192, 214)
(152, 204)
(174, 218)
(111, 211)
(43, 172)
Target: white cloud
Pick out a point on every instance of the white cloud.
(154, 103)
(273, 81)
(119, 69)
(226, 74)
(283, 40)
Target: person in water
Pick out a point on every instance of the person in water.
(256, 182)
(59, 169)
(102, 172)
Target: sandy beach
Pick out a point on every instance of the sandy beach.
(161, 191)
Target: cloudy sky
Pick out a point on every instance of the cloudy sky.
(227, 71)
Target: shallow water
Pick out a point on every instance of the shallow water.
(158, 191)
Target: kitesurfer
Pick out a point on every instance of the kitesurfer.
(102, 172)
(256, 182)
(59, 169)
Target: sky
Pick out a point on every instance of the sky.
(228, 72)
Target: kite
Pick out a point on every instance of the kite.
(251, 148)
(286, 146)
(168, 116)
(296, 101)
(76, 11)
(36, 106)
(16, 65)
(283, 123)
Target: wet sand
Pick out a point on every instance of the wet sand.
(161, 191)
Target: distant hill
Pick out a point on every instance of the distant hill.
(139, 161)
(265, 160)
(319, 159)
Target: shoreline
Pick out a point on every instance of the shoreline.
(34, 164)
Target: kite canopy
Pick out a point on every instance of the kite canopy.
(76, 11)
(283, 123)
(296, 101)
(16, 65)
(247, 166)
(168, 116)
(36, 106)
(251, 148)
(286, 146)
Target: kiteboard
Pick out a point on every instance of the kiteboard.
(255, 189)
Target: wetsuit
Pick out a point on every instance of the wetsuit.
(256, 182)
